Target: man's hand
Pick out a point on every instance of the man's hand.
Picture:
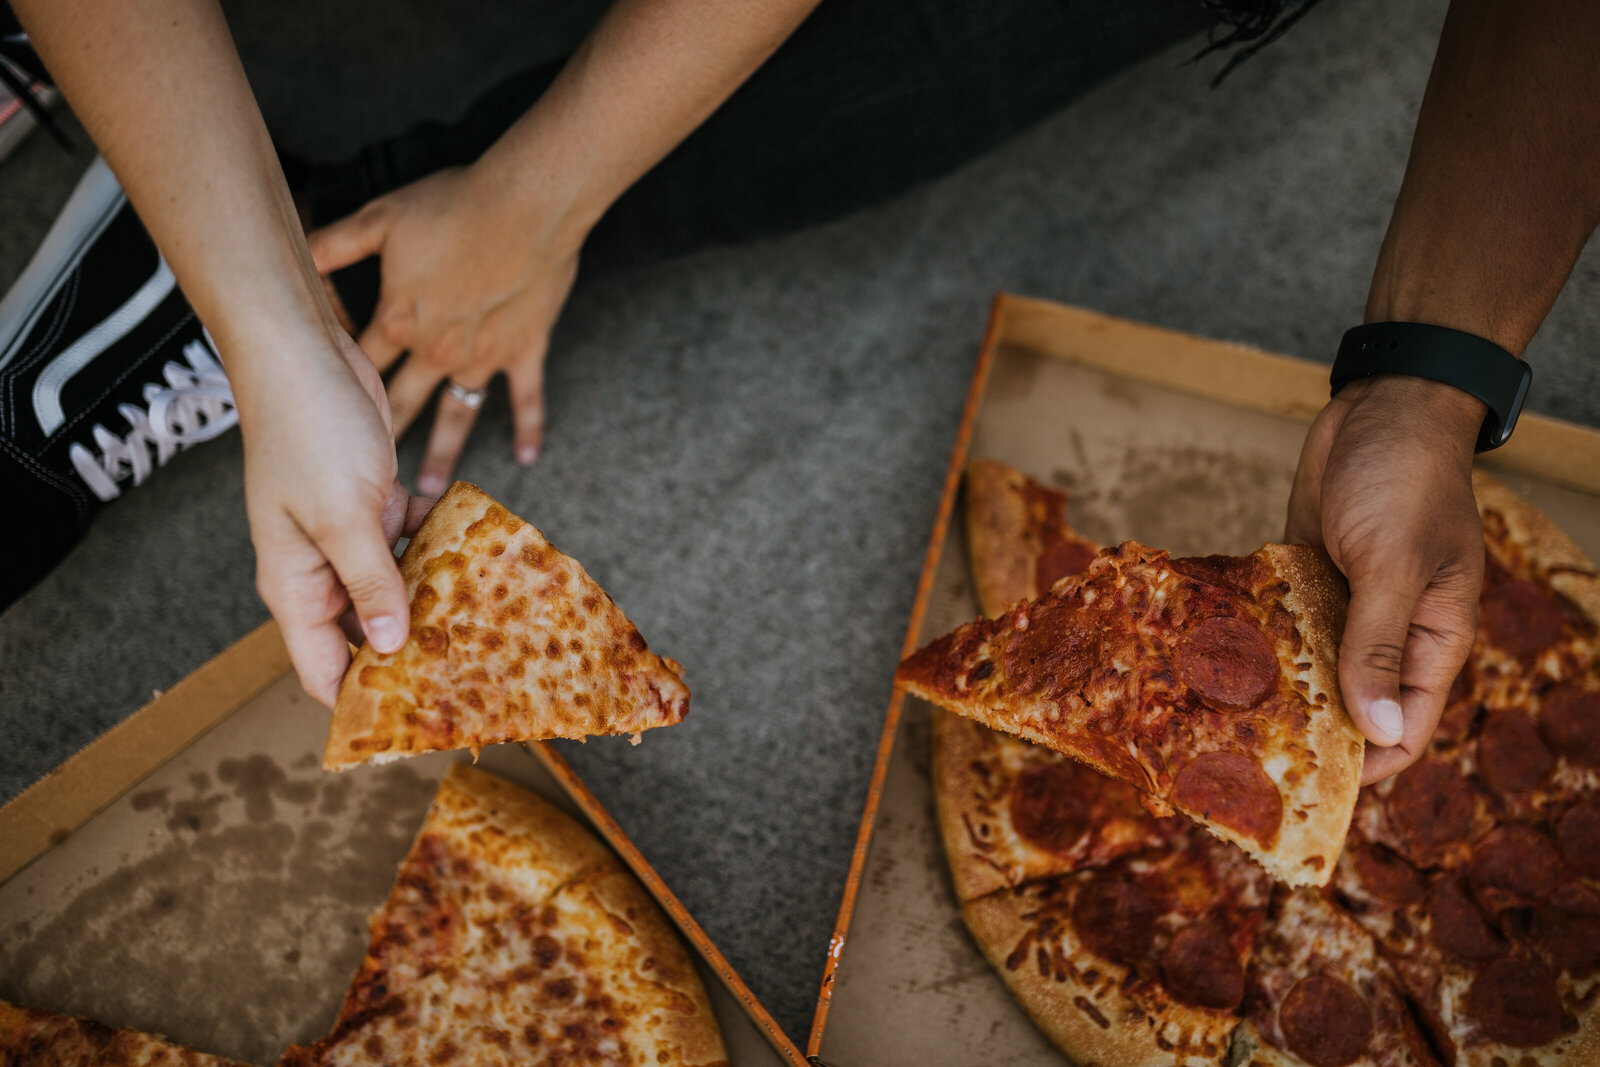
(325, 508)
(1384, 484)
(474, 277)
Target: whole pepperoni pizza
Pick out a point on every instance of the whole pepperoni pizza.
(1462, 925)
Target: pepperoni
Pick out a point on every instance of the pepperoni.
(1115, 917)
(1229, 572)
(1520, 617)
(1386, 875)
(1569, 940)
(1325, 1022)
(1570, 721)
(1054, 654)
(1511, 757)
(1227, 661)
(1456, 924)
(1232, 790)
(1518, 858)
(1431, 803)
(1200, 967)
(1049, 807)
(1517, 1003)
(1578, 833)
(1065, 557)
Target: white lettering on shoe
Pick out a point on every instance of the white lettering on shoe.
(196, 404)
(113, 328)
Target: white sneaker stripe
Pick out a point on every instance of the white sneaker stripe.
(47, 387)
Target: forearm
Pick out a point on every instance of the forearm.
(160, 88)
(1503, 186)
(643, 80)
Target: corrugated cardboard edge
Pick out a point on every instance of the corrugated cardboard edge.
(623, 845)
(69, 796)
(930, 566)
(1239, 375)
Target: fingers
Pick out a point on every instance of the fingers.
(409, 390)
(452, 423)
(527, 407)
(303, 594)
(351, 239)
(1438, 639)
(388, 335)
(1373, 650)
(365, 566)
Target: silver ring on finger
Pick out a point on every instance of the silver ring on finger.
(472, 398)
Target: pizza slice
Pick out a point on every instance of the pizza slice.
(30, 1037)
(1018, 539)
(512, 936)
(1137, 962)
(510, 641)
(1208, 683)
(1319, 994)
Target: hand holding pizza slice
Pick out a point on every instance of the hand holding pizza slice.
(510, 640)
(1208, 683)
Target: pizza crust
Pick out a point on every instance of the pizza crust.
(1095, 1015)
(669, 1007)
(31, 1036)
(1318, 807)
(957, 747)
(1571, 572)
(1003, 560)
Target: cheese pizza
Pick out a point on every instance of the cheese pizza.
(510, 640)
(512, 936)
(30, 1037)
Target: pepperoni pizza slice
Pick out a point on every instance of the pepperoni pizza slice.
(1318, 993)
(1018, 539)
(511, 640)
(513, 936)
(30, 1037)
(1208, 683)
(1137, 962)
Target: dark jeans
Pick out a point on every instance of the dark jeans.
(865, 100)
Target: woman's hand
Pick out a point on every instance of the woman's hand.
(324, 505)
(1385, 485)
(474, 274)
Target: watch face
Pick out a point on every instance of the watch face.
(1499, 435)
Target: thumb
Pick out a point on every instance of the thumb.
(1370, 655)
(366, 568)
(350, 240)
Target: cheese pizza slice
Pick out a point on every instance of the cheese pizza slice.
(1209, 683)
(510, 641)
(512, 936)
(30, 1037)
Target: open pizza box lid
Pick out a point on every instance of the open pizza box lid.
(195, 873)
(1157, 436)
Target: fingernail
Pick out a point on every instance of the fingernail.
(1387, 720)
(526, 454)
(430, 484)
(386, 633)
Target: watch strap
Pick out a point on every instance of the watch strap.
(1470, 363)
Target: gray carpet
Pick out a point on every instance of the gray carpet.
(746, 447)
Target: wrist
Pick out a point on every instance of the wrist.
(1443, 412)
(559, 199)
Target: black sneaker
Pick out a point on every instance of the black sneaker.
(105, 374)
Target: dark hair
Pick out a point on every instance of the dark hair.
(1250, 24)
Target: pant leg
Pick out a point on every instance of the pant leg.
(865, 100)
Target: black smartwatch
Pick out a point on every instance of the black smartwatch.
(1470, 363)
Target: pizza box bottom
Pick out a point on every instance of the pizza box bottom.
(222, 900)
(1156, 436)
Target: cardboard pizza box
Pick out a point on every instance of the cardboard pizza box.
(195, 873)
(1158, 436)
